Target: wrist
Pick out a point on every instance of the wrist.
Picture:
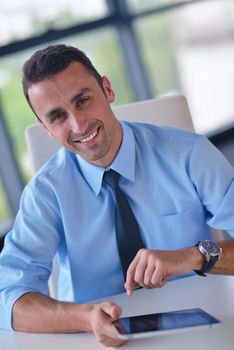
(199, 259)
(212, 253)
(87, 311)
(81, 316)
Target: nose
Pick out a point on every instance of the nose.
(77, 123)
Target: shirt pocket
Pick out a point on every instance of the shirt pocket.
(179, 230)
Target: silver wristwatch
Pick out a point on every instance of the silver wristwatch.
(212, 253)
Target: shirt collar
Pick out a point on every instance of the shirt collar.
(123, 163)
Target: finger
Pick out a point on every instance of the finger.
(109, 337)
(103, 327)
(140, 272)
(102, 324)
(116, 312)
(110, 342)
(130, 283)
(111, 309)
(149, 271)
(114, 343)
(158, 280)
(162, 284)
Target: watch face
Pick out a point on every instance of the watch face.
(211, 248)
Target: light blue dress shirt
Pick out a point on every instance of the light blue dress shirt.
(176, 182)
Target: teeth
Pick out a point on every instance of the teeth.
(90, 137)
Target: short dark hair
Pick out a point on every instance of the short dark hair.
(51, 60)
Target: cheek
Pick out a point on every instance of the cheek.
(60, 134)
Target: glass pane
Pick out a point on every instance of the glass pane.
(191, 50)
(139, 5)
(102, 48)
(203, 35)
(4, 208)
(159, 52)
(4, 211)
(15, 110)
(20, 19)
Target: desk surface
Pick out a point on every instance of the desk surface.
(215, 294)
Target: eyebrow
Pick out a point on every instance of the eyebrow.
(49, 114)
(80, 94)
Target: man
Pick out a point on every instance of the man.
(175, 182)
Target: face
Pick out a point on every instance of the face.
(74, 109)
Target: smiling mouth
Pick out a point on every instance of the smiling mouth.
(89, 138)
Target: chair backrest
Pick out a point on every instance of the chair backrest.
(171, 110)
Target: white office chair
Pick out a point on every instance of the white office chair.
(172, 110)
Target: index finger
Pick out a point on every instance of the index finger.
(130, 283)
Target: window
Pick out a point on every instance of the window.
(191, 50)
(17, 114)
(138, 6)
(159, 53)
(5, 214)
(20, 19)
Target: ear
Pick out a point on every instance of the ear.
(110, 95)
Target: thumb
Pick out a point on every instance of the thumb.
(113, 310)
(116, 312)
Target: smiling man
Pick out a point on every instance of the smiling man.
(177, 185)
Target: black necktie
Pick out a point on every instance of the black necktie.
(128, 237)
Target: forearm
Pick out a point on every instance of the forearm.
(34, 312)
(225, 265)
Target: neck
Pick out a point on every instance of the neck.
(116, 144)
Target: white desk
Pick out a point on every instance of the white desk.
(214, 294)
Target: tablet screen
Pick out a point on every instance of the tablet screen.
(165, 321)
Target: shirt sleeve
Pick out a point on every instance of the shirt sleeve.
(26, 260)
(213, 178)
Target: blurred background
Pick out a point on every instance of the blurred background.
(147, 48)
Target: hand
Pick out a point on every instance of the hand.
(151, 268)
(101, 319)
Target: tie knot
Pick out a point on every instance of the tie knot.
(111, 177)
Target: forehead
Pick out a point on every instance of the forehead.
(75, 74)
(62, 85)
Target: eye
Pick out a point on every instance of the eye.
(57, 117)
(82, 101)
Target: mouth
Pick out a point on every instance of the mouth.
(89, 138)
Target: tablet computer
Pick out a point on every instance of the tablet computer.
(163, 323)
